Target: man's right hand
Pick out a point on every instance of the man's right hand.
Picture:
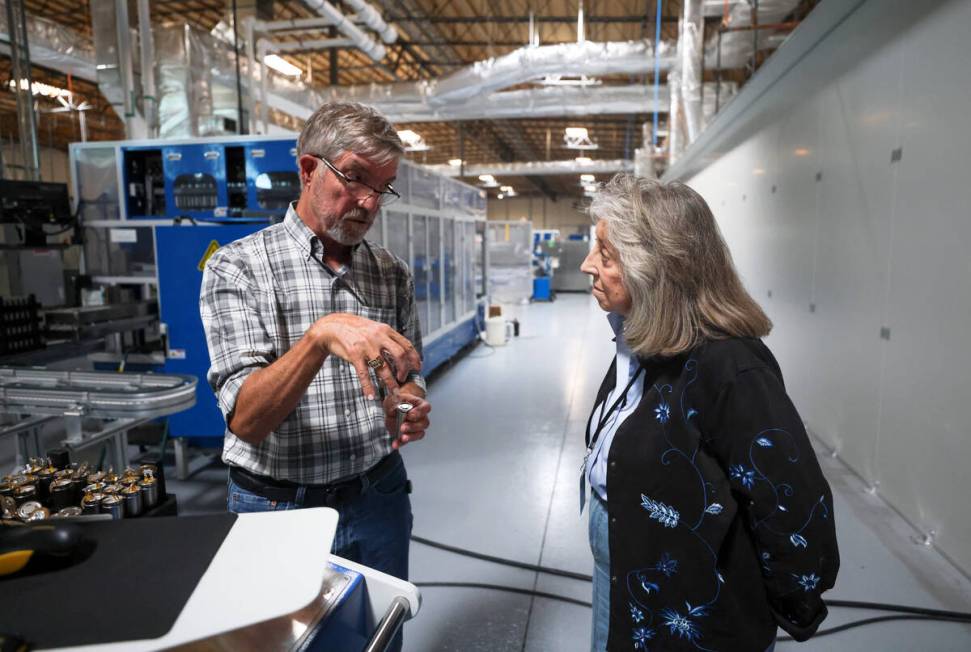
(358, 340)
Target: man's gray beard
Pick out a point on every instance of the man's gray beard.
(348, 234)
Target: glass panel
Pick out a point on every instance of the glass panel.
(419, 267)
(426, 188)
(469, 265)
(398, 234)
(97, 178)
(448, 240)
(480, 251)
(102, 257)
(435, 284)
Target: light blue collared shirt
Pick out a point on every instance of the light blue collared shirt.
(627, 365)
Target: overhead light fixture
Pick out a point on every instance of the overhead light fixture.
(801, 151)
(488, 181)
(412, 141)
(584, 160)
(587, 178)
(455, 162)
(282, 66)
(500, 196)
(508, 191)
(40, 88)
(578, 138)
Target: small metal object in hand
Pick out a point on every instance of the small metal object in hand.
(401, 410)
(376, 363)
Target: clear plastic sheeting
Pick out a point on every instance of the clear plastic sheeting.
(737, 47)
(553, 101)
(510, 261)
(196, 83)
(53, 46)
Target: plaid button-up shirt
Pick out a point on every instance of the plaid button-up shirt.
(259, 296)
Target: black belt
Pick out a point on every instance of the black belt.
(328, 495)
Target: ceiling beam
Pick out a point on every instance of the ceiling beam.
(458, 20)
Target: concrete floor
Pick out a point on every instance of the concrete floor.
(498, 474)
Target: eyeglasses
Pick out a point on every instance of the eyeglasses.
(360, 190)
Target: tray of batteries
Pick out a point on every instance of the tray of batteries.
(54, 488)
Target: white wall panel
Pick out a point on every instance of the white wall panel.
(873, 243)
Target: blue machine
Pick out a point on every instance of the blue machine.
(182, 251)
(210, 180)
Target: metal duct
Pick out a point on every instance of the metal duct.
(532, 103)
(737, 47)
(184, 83)
(361, 40)
(537, 168)
(116, 63)
(53, 46)
(690, 54)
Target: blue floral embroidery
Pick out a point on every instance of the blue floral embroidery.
(663, 514)
(667, 565)
(714, 508)
(663, 412)
(635, 614)
(764, 442)
(743, 475)
(641, 636)
(691, 413)
(807, 582)
(649, 587)
(798, 541)
(683, 626)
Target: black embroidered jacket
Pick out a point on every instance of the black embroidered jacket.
(721, 523)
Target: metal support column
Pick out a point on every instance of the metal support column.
(20, 70)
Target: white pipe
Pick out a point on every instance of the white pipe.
(298, 46)
(371, 17)
(364, 42)
(691, 51)
(248, 26)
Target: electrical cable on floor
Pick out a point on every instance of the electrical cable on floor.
(904, 612)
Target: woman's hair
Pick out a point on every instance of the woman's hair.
(338, 127)
(676, 266)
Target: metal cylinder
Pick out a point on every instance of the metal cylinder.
(96, 477)
(401, 411)
(114, 505)
(132, 496)
(39, 514)
(149, 488)
(59, 457)
(67, 512)
(64, 493)
(94, 488)
(91, 503)
(25, 493)
(112, 489)
(45, 477)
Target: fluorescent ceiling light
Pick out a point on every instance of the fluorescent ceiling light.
(40, 88)
(584, 160)
(282, 66)
(589, 178)
(488, 181)
(500, 196)
(455, 162)
(578, 138)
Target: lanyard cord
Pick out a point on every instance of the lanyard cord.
(620, 399)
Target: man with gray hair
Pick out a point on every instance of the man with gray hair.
(314, 341)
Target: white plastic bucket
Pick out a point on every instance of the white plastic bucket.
(495, 333)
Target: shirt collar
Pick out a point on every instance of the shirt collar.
(306, 239)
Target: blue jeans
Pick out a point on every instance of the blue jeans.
(374, 529)
(599, 545)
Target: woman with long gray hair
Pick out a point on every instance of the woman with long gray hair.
(710, 521)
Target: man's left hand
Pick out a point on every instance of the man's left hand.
(416, 420)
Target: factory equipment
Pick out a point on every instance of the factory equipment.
(568, 277)
(153, 211)
(510, 261)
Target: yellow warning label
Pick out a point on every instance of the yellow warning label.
(210, 250)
